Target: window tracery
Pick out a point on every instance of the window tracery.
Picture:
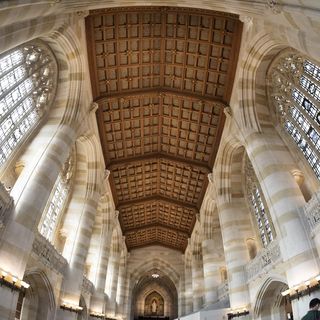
(295, 91)
(27, 85)
(57, 200)
(257, 206)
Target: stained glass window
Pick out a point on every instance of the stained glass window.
(295, 88)
(55, 207)
(57, 201)
(27, 83)
(256, 203)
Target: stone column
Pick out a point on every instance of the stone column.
(103, 241)
(78, 222)
(182, 295)
(210, 272)
(233, 218)
(273, 165)
(197, 281)
(30, 195)
(114, 262)
(122, 285)
(188, 288)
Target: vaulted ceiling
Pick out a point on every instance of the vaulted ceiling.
(161, 77)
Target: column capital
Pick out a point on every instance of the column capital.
(246, 19)
(93, 107)
(106, 174)
(82, 14)
(228, 112)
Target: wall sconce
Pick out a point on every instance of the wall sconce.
(302, 289)
(98, 315)
(71, 307)
(13, 282)
(237, 313)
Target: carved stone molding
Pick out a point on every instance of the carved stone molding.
(87, 286)
(274, 6)
(210, 178)
(228, 112)
(311, 211)
(223, 290)
(264, 260)
(93, 107)
(48, 255)
(106, 174)
(284, 76)
(246, 19)
(6, 205)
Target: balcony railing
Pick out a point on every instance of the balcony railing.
(312, 210)
(47, 254)
(264, 260)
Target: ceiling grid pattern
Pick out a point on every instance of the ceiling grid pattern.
(162, 77)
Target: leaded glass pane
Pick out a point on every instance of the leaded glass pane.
(27, 82)
(55, 207)
(297, 100)
(57, 200)
(257, 206)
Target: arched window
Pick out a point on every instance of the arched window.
(27, 84)
(295, 91)
(57, 201)
(257, 205)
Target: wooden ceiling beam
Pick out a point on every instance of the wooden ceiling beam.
(123, 204)
(156, 243)
(158, 91)
(158, 155)
(157, 225)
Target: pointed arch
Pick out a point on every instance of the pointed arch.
(40, 301)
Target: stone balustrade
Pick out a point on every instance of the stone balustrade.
(264, 260)
(87, 286)
(48, 255)
(223, 290)
(312, 210)
(6, 205)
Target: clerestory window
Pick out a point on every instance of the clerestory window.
(295, 90)
(57, 201)
(257, 205)
(27, 84)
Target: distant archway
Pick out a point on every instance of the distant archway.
(39, 302)
(270, 304)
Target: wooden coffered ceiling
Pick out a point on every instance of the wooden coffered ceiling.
(161, 77)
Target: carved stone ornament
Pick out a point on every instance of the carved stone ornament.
(83, 13)
(210, 178)
(273, 6)
(106, 174)
(93, 107)
(312, 210)
(67, 170)
(6, 205)
(228, 112)
(87, 286)
(284, 76)
(246, 19)
(223, 290)
(48, 255)
(264, 260)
